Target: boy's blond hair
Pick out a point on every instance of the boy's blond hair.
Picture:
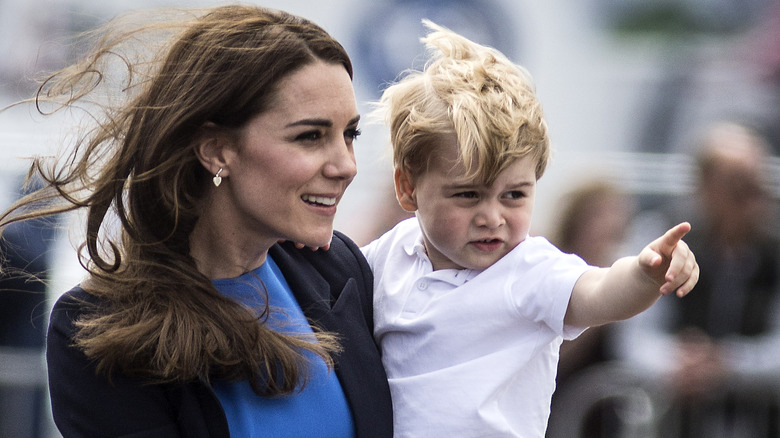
(475, 92)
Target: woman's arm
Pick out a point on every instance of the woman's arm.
(85, 404)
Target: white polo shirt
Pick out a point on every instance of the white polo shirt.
(470, 353)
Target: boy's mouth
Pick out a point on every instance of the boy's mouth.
(487, 244)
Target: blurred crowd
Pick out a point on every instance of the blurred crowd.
(703, 349)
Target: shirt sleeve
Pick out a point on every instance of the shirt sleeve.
(543, 281)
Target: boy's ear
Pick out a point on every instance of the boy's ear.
(404, 190)
(213, 148)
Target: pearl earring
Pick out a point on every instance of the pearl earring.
(217, 179)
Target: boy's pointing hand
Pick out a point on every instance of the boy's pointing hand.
(670, 263)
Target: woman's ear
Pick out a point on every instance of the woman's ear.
(213, 147)
(404, 190)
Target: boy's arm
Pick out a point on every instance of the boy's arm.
(632, 284)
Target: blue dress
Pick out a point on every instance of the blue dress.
(320, 409)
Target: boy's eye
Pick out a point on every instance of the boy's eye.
(515, 194)
(468, 195)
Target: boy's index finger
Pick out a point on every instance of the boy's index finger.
(670, 239)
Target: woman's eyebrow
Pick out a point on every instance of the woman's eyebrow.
(320, 122)
(311, 122)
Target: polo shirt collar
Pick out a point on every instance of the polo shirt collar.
(455, 277)
(416, 247)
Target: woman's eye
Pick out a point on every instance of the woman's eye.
(309, 136)
(352, 133)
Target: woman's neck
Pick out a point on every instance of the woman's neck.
(224, 251)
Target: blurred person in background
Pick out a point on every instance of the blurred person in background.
(593, 222)
(729, 330)
(594, 219)
(25, 254)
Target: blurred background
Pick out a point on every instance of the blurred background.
(629, 88)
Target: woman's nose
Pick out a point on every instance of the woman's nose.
(341, 164)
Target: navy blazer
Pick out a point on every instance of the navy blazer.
(334, 289)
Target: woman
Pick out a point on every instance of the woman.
(194, 321)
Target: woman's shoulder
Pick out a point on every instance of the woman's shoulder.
(340, 239)
(73, 303)
(342, 258)
(77, 296)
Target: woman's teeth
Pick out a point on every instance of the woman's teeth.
(319, 200)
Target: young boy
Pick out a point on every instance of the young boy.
(469, 309)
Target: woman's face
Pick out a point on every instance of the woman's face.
(293, 162)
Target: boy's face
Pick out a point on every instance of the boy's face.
(467, 224)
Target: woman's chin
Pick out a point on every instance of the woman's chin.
(318, 241)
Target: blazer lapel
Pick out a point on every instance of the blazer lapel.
(311, 290)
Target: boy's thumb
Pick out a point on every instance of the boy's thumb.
(649, 258)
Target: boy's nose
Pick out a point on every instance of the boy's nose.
(489, 216)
